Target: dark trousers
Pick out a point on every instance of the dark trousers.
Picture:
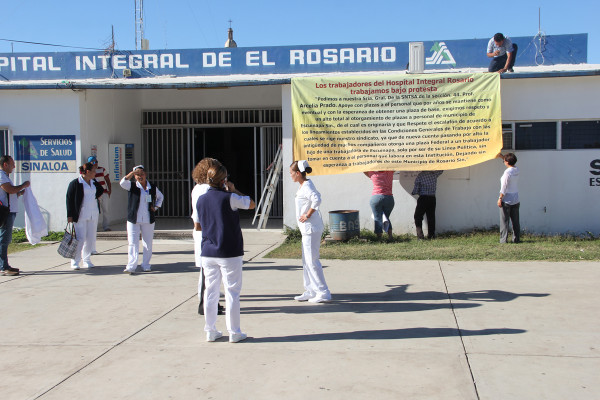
(510, 212)
(426, 206)
(498, 63)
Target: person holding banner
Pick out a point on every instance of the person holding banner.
(425, 187)
(382, 200)
(508, 201)
(503, 53)
(311, 226)
(83, 211)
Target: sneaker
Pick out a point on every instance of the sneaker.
(213, 335)
(304, 296)
(237, 337)
(147, 269)
(128, 271)
(75, 267)
(10, 271)
(94, 253)
(319, 299)
(88, 265)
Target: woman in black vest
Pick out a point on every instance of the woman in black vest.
(222, 251)
(83, 210)
(142, 202)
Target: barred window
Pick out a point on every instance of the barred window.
(581, 135)
(535, 135)
(507, 136)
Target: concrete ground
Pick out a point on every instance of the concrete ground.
(394, 330)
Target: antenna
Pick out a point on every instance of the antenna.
(139, 24)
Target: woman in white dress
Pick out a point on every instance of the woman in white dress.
(310, 223)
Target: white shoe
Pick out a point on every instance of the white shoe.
(304, 296)
(237, 337)
(213, 335)
(88, 265)
(75, 267)
(319, 299)
(147, 269)
(128, 271)
(94, 253)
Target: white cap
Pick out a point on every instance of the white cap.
(302, 165)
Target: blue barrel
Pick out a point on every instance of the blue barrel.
(344, 224)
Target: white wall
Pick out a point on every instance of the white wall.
(111, 116)
(43, 112)
(554, 188)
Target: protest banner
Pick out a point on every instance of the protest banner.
(396, 122)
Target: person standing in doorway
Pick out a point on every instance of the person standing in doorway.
(503, 53)
(143, 201)
(311, 226)
(83, 210)
(8, 197)
(425, 187)
(222, 251)
(508, 200)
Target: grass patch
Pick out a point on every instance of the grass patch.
(20, 243)
(478, 245)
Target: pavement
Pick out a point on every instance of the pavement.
(394, 330)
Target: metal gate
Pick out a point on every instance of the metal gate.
(167, 159)
(167, 150)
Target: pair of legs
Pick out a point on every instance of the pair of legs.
(5, 239)
(382, 205)
(228, 270)
(499, 62)
(425, 207)
(133, 238)
(314, 279)
(510, 213)
(197, 235)
(86, 235)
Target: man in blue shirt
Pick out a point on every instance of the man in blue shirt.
(503, 53)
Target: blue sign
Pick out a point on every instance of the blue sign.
(51, 153)
(446, 54)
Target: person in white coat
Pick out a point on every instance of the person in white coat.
(201, 187)
(222, 251)
(143, 201)
(83, 210)
(311, 226)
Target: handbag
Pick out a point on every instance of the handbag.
(68, 245)
(4, 211)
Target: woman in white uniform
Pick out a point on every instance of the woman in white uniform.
(222, 251)
(310, 223)
(83, 210)
(201, 187)
(143, 201)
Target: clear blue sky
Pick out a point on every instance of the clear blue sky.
(182, 24)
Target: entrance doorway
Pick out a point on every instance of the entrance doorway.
(172, 147)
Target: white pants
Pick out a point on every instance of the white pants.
(314, 280)
(197, 235)
(103, 200)
(230, 270)
(133, 237)
(86, 234)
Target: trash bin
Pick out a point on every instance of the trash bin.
(344, 224)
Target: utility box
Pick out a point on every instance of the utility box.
(416, 58)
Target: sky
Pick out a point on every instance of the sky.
(195, 24)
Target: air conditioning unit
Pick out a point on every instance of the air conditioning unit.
(416, 57)
(126, 73)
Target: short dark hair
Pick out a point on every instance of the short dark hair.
(5, 159)
(498, 37)
(510, 158)
(88, 166)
